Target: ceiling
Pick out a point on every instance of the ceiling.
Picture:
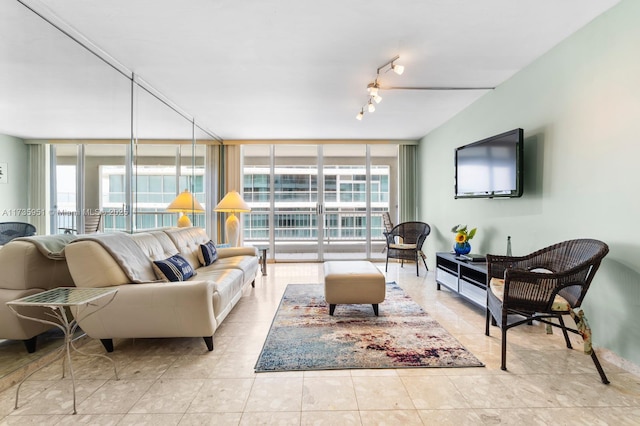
(267, 69)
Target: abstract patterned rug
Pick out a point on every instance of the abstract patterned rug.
(303, 336)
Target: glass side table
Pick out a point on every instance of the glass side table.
(263, 249)
(57, 301)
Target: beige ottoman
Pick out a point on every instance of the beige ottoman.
(353, 282)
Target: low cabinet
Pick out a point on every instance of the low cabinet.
(469, 279)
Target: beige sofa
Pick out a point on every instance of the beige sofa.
(30, 265)
(191, 308)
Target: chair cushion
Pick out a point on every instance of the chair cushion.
(174, 268)
(403, 246)
(496, 285)
(208, 253)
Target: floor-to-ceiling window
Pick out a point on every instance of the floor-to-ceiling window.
(160, 173)
(64, 188)
(313, 202)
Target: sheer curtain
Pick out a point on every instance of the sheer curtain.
(37, 178)
(408, 169)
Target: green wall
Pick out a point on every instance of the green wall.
(579, 105)
(13, 194)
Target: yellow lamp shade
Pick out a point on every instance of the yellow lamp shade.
(232, 202)
(185, 202)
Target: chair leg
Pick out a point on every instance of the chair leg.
(503, 365)
(603, 376)
(424, 260)
(564, 331)
(386, 266)
(488, 315)
(417, 266)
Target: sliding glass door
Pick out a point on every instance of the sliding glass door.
(317, 202)
(296, 214)
(344, 204)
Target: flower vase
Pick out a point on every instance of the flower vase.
(462, 248)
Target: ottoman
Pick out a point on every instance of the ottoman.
(353, 282)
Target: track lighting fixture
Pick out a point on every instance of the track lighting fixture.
(374, 87)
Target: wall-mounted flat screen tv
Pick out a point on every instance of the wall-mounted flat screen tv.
(491, 167)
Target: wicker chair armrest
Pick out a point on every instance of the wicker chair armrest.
(524, 289)
(390, 238)
(497, 265)
(518, 274)
(421, 240)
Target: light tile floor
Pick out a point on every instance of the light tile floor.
(177, 381)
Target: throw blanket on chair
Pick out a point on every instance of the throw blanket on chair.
(51, 246)
(133, 261)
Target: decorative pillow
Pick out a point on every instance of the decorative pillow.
(175, 268)
(207, 253)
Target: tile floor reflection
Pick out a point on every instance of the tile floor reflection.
(178, 382)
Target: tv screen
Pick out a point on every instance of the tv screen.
(491, 167)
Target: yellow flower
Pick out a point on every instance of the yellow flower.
(461, 238)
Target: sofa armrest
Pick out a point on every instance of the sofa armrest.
(237, 251)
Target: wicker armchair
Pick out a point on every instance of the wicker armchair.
(386, 220)
(92, 224)
(405, 242)
(11, 230)
(546, 284)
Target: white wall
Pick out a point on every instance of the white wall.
(13, 194)
(579, 105)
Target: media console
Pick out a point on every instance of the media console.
(468, 279)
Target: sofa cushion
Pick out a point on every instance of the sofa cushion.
(228, 287)
(208, 253)
(187, 241)
(23, 266)
(248, 265)
(156, 244)
(174, 268)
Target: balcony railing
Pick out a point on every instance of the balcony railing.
(293, 225)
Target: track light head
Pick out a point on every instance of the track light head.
(360, 114)
(370, 106)
(372, 88)
(398, 69)
(377, 98)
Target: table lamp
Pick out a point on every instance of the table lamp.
(232, 203)
(185, 202)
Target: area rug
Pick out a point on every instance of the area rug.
(303, 336)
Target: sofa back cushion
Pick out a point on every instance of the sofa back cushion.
(23, 266)
(187, 241)
(155, 244)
